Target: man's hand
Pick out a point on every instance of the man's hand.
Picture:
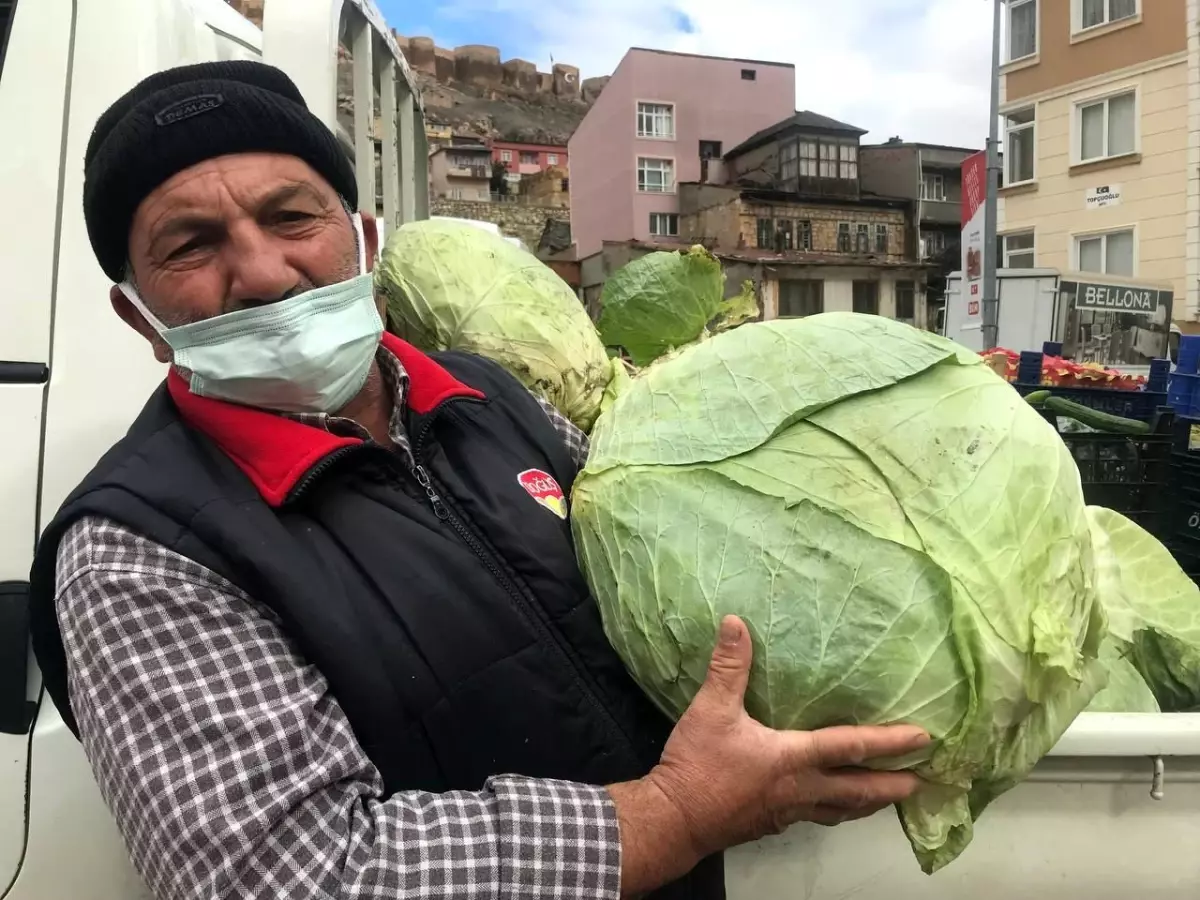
(724, 779)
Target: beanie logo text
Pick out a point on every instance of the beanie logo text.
(188, 107)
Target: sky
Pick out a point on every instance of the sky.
(913, 68)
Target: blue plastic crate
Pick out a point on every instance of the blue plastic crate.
(1143, 404)
(1189, 354)
(1183, 393)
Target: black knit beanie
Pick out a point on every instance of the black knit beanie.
(183, 116)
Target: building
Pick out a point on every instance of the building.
(528, 159)
(1100, 104)
(930, 175)
(786, 209)
(461, 170)
(793, 200)
(661, 119)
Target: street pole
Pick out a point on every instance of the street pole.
(991, 296)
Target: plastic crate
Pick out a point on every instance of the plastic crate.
(1181, 521)
(1143, 404)
(1130, 474)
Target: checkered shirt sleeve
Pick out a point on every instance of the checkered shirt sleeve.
(576, 441)
(233, 772)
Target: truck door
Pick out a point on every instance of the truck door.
(34, 51)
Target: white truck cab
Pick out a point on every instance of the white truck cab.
(73, 377)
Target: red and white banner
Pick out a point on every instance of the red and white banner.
(974, 204)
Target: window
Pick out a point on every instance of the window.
(801, 298)
(789, 166)
(552, 159)
(866, 297)
(529, 159)
(710, 149)
(933, 187)
(804, 235)
(881, 239)
(906, 294)
(655, 176)
(765, 234)
(933, 244)
(808, 159)
(1094, 13)
(828, 160)
(664, 224)
(749, 75)
(862, 238)
(506, 156)
(1016, 250)
(1019, 146)
(843, 238)
(784, 235)
(1109, 254)
(848, 162)
(1107, 127)
(1022, 28)
(456, 193)
(656, 120)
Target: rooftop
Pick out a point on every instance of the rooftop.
(918, 145)
(803, 120)
(753, 62)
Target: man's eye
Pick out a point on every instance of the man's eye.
(293, 216)
(184, 249)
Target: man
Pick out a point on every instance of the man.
(305, 618)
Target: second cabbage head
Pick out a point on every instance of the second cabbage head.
(905, 537)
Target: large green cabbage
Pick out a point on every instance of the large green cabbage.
(667, 300)
(452, 286)
(1153, 608)
(904, 536)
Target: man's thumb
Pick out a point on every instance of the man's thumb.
(729, 670)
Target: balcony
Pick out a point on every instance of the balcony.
(477, 172)
(941, 212)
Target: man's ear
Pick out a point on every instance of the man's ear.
(370, 238)
(132, 317)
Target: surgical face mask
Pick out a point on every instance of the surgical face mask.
(311, 353)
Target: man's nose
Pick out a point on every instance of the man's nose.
(259, 271)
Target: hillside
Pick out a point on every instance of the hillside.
(469, 90)
(472, 91)
(505, 113)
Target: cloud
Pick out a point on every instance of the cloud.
(915, 68)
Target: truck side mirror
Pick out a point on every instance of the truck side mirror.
(16, 712)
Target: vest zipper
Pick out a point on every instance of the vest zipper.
(521, 596)
(320, 469)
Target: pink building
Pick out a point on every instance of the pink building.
(528, 159)
(657, 118)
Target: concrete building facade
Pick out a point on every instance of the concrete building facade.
(662, 119)
(1100, 107)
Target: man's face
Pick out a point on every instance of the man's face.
(234, 232)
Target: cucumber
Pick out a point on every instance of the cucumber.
(1093, 418)
(1037, 398)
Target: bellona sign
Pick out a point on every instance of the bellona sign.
(1121, 298)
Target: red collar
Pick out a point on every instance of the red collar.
(274, 451)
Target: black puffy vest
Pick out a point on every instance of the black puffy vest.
(443, 605)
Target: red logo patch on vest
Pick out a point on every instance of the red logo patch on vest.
(542, 487)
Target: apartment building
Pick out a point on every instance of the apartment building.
(1100, 107)
(930, 175)
(529, 159)
(664, 118)
(461, 170)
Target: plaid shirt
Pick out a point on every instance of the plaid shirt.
(233, 772)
